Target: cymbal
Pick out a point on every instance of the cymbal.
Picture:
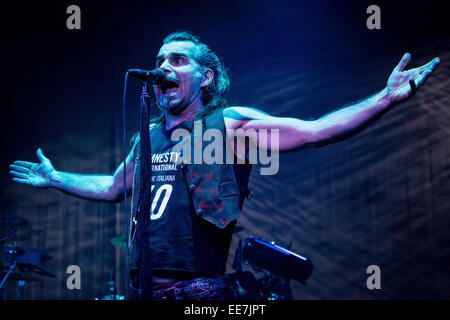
(28, 267)
(13, 222)
(119, 241)
(18, 276)
(13, 254)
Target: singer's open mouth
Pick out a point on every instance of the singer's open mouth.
(169, 86)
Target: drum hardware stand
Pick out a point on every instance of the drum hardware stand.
(24, 258)
(112, 290)
(20, 283)
(12, 233)
(12, 266)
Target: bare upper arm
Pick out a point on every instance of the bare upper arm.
(117, 186)
(293, 133)
(118, 183)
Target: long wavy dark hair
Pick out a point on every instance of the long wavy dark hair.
(212, 96)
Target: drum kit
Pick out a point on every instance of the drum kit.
(18, 263)
(278, 265)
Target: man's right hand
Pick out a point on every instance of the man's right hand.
(33, 174)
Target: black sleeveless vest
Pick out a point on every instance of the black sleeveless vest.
(216, 192)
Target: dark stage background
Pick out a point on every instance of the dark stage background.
(381, 197)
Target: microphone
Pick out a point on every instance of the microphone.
(155, 76)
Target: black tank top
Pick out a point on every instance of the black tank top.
(179, 239)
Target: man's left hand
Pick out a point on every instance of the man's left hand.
(404, 83)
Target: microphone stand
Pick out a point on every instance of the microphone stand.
(144, 206)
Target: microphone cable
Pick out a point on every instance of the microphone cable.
(124, 146)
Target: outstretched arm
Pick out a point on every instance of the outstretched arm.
(295, 133)
(92, 187)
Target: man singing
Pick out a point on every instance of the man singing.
(195, 205)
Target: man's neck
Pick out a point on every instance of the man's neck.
(187, 114)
